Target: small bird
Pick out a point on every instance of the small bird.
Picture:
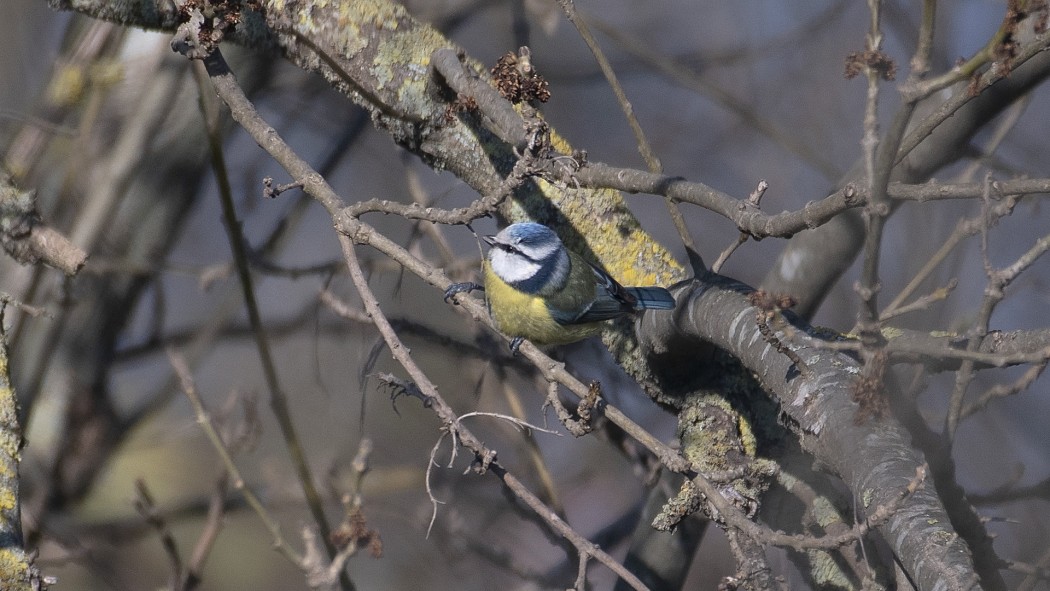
(541, 291)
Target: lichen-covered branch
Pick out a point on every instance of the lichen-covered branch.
(16, 571)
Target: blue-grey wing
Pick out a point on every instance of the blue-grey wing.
(611, 300)
(651, 298)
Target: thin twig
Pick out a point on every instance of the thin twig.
(212, 526)
(147, 508)
(419, 196)
(753, 200)
(644, 147)
(764, 535)
(921, 303)
(915, 90)
(877, 174)
(278, 400)
(963, 229)
(1001, 391)
(993, 294)
(189, 388)
(535, 454)
(964, 95)
(759, 224)
(688, 75)
(924, 347)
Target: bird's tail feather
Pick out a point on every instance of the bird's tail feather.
(651, 298)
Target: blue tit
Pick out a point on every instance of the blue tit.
(541, 291)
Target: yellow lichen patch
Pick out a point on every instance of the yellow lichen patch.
(345, 21)
(612, 234)
(747, 436)
(828, 571)
(867, 497)
(10, 440)
(404, 59)
(7, 500)
(13, 567)
(825, 513)
(560, 144)
(891, 332)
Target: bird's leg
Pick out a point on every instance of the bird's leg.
(515, 344)
(458, 288)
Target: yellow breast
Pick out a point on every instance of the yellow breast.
(518, 314)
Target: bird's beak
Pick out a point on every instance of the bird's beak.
(490, 240)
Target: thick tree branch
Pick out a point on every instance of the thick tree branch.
(875, 458)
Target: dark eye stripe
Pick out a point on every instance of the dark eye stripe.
(515, 250)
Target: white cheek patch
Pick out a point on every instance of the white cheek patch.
(512, 268)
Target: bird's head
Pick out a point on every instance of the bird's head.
(530, 257)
